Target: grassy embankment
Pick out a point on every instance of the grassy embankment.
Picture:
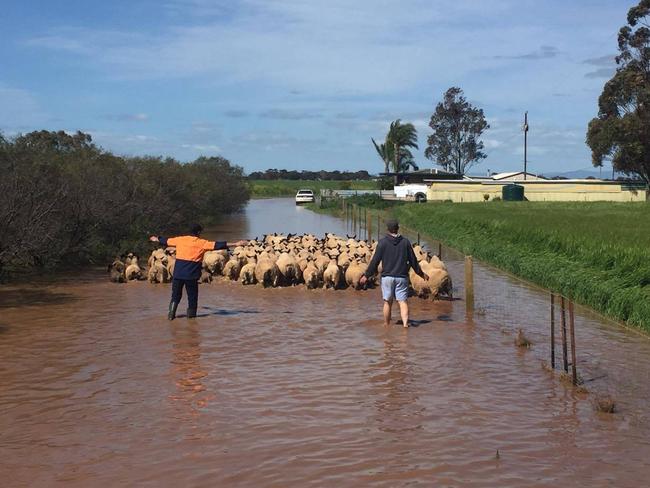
(595, 253)
(288, 188)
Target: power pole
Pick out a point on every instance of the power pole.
(525, 143)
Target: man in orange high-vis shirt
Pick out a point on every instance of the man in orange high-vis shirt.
(187, 270)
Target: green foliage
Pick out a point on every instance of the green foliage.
(372, 201)
(398, 140)
(65, 200)
(289, 188)
(346, 185)
(621, 132)
(386, 183)
(457, 127)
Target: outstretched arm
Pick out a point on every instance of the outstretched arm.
(162, 240)
(226, 244)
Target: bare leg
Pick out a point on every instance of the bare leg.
(404, 311)
(388, 306)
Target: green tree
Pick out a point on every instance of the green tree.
(401, 137)
(395, 152)
(621, 132)
(384, 153)
(65, 200)
(457, 127)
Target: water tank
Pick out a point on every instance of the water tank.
(512, 193)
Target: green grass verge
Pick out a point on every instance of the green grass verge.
(286, 188)
(598, 254)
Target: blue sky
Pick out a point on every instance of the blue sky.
(301, 84)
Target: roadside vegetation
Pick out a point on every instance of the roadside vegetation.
(64, 200)
(594, 253)
(285, 188)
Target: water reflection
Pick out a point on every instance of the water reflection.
(397, 409)
(186, 369)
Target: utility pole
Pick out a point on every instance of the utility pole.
(525, 143)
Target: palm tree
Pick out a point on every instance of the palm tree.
(384, 153)
(402, 136)
(395, 151)
(406, 161)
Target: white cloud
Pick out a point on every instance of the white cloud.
(202, 147)
(137, 117)
(334, 47)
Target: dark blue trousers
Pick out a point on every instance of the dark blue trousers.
(192, 287)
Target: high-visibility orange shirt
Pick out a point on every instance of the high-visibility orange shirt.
(189, 254)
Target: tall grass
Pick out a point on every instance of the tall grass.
(286, 188)
(597, 254)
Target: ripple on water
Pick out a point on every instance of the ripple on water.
(291, 387)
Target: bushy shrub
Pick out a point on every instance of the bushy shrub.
(65, 200)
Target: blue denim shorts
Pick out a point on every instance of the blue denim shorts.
(394, 288)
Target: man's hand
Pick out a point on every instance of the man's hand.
(154, 239)
(363, 280)
(241, 242)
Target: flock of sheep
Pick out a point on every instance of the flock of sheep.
(286, 260)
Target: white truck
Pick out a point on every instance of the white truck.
(416, 192)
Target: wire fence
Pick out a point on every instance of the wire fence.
(489, 294)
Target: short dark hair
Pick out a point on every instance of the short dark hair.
(196, 229)
(392, 226)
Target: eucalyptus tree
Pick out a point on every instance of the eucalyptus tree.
(457, 127)
(621, 132)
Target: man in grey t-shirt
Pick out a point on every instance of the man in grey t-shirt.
(396, 255)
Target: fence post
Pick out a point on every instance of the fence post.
(378, 227)
(369, 228)
(469, 284)
(574, 371)
(418, 238)
(439, 250)
(564, 344)
(552, 331)
(347, 218)
(359, 220)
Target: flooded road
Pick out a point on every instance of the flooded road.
(290, 387)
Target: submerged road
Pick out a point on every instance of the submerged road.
(290, 387)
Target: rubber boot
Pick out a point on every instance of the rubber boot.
(191, 313)
(172, 310)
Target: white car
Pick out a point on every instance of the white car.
(304, 196)
(412, 191)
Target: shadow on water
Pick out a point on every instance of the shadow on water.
(220, 311)
(28, 297)
(444, 318)
(415, 323)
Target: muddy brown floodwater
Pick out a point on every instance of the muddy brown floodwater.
(289, 387)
